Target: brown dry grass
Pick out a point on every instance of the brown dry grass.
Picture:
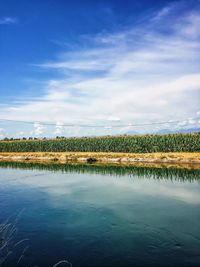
(159, 160)
(163, 156)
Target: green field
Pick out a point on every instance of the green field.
(130, 144)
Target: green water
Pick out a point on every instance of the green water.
(94, 215)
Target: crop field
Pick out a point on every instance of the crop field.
(125, 144)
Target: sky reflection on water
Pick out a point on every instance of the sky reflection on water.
(104, 220)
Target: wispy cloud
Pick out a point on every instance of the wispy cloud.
(148, 72)
(8, 20)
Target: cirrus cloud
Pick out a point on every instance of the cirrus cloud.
(148, 72)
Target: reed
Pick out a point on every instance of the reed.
(170, 173)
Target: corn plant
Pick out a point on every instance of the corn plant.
(133, 144)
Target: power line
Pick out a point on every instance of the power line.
(92, 126)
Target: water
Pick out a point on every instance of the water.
(99, 216)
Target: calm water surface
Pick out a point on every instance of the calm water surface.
(98, 216)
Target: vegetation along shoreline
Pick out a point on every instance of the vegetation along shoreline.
(169, 148)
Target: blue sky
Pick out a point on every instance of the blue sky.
(110, 63)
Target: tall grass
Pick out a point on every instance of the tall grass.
(172, 173)
(133, 144)
(8, 244)
(17, 249)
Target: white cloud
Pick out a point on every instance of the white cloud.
(191, 121)
(38, 129)
(188, 123)
(8, 20)
(113, 118)
(182, 123)
(164, 12)
(22, 133)
(138, 75)
(191, 25)
(2, 133)
(59, 128)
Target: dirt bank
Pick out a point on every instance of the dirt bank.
(90, 157)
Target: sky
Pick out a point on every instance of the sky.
(78, 68)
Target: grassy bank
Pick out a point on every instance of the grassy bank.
(125, 144)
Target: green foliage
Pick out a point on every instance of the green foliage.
(172, 173)
(134, 144)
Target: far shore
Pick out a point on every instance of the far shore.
(184, 160)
